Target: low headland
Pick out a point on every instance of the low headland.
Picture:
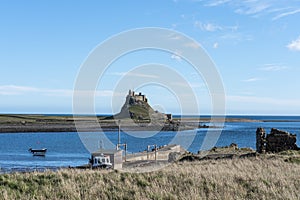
(18, 123)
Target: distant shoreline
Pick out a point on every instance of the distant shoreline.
(22, 123)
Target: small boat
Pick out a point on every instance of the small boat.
(38, 152)
(102, 161)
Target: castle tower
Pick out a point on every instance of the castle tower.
(131, 93)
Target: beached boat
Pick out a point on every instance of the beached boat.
(38, 152)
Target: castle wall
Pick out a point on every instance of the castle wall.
(137, 97)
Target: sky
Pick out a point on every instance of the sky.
(254, 44)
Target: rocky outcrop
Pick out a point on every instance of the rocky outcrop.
(276, 141)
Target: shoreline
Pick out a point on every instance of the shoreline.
(24, 123)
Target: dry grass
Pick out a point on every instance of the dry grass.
(255, 178)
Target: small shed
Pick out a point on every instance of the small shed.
(115, 156)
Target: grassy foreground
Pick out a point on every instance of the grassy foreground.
(252, 178)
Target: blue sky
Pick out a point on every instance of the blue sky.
(255, 45)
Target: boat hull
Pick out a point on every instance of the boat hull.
(38, 152)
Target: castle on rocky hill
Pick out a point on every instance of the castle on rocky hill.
(137, 108)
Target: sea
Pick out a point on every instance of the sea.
(65, 149)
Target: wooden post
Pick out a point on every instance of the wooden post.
(119, 135)
(148, 146)
(125, 151)
(155, 146)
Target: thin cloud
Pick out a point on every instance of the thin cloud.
(236, 37)
(134, 75)
(217, 3)
(192, 45)
(56, 92)
(176, 57)
(174, 36)
(226, 32)
(210, 27)
(216, 45)
(294, 45)
(12, 90)
(188, 85)
(286, 14)
(251, 79)
(181, 84)
(264, 100)
(15, 90)
(253, 9)
(273, 67)
(257, 8)
(96, 93)
(198, 85)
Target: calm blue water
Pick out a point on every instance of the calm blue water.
(66, 149)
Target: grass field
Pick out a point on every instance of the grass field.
(252, 178)
(18, 118)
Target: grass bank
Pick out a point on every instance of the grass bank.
(251, 178)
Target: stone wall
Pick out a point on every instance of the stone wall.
(275, 142)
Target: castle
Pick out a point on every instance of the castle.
(137, 97)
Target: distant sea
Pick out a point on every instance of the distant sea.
(66, 149)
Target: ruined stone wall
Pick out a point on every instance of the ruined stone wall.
(278, 141)
(275, 142)
(260, 140)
